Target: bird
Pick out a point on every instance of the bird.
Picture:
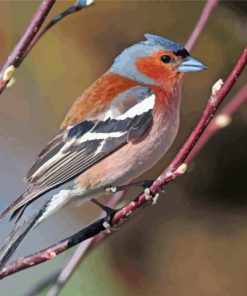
(116, 130)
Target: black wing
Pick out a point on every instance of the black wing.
(79, 148)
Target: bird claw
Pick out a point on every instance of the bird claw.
(151, 198)
(109, 212)
(147, 194)
(110, 228)
(155, 199)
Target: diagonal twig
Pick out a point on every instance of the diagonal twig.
(33, 33)
(79, 5)
(220, 121)
(206, 12)
(176, 168)
(80, 252)
(16, 56)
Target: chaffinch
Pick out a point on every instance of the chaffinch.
(116, 130)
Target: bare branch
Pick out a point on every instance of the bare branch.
(70, 10)
(16, 56)
(80, 252)
(174, 170)
(220, 121)
(207, 10)
(43, 282)
(32, 35)
(60, 277)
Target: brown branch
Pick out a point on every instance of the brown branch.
(70, 10)
(220, 121)
(16, 56)
(43, 282)
(207, 10)
(174, 170)
(61, 276)
(81, 252)
(32, 35)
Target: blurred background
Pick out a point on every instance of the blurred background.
(193, 242)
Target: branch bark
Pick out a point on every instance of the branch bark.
(222, 120)
(81, 252)
(176, 168)
(79, 5)
(16, 56)
(32, 35)
(207, 10)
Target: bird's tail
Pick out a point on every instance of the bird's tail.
(16, 236)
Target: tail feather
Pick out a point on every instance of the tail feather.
(16, 236)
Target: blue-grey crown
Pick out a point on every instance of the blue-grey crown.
(163, 42)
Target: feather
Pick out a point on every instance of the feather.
(80, 147)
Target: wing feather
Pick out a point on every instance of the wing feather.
(80, 147)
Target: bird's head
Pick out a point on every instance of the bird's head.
(155, 61)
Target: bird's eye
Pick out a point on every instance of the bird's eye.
(165, 59)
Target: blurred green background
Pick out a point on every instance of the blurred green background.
(193, 242)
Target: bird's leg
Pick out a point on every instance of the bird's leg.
(110, 212)
(150, 197)
(144, 184)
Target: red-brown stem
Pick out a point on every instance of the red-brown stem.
(16, 56)
(81, 252)
(207, 10)
(216, 124)
(171, 173)
(70, 10)
(33, 33)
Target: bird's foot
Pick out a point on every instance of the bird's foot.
(110, 228)
(150, 197)
(110, 212)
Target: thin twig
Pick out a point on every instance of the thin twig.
(61, 276)
(175, 169)
(207, 10)
(16, 56)
(44, 282)
(68, 11)
(80, 252)
(32, 35)
(220, 121)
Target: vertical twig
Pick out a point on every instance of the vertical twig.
(207, 10)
